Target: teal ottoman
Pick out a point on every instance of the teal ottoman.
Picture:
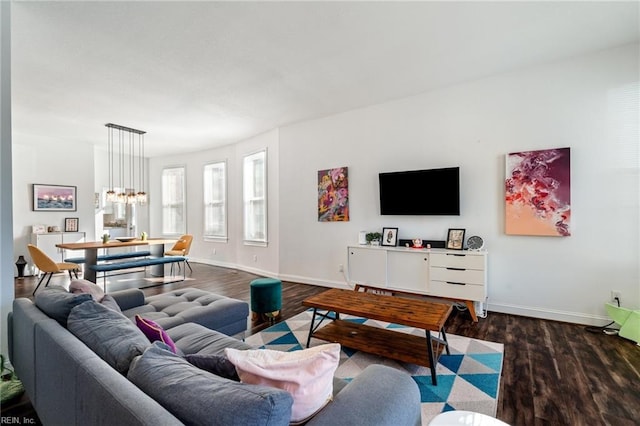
(266, 298)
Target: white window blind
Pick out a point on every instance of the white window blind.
(254, 177)
(173, 201)
(215, 200)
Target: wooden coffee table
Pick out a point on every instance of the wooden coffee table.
(419, 313)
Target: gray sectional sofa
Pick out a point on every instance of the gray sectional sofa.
(76, 382)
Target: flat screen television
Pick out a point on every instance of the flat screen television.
(421, 192)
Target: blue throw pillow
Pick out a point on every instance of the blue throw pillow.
(57, 302)
(111, 335)
(198, 397)
(216, 364)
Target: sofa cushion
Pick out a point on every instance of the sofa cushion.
(197, 339)
(57, 302)
(111, 335)
(306, 374)
(216, 364)
(154, 332)
(198, 397)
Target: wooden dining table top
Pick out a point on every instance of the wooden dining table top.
(114, 243)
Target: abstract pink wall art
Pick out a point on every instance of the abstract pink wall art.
(333, 195)
(538, 193)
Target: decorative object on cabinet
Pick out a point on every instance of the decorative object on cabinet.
(71, 224)
(455, 239)
(475, 243)
(39, 229)
(362, 237)
(333, 195)
(54, 198)
(417, 243)
(373, 238)
(390, 237)
(538, 192)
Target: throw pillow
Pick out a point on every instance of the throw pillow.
(154, 332)
(110, 303)
(306, 374)
(216, 364)
(86, 286)
(111, 335)
(200, 398)
(57, 302)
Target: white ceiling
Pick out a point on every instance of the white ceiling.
(196, 75)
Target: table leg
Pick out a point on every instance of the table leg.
(313, 320)
(444, 337)
(157, 250)
(90, 259)
(432, 360)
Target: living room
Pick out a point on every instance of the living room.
(587, 101)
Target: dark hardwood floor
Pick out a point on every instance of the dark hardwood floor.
(554, 373)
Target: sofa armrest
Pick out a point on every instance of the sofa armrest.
(129, 298)
(378, 396)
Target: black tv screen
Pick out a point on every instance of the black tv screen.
(421, 192)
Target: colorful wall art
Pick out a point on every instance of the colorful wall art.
(333, 195)
(538, 193)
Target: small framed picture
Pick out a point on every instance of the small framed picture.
(455, 239)
(71, 224)
(390, 237)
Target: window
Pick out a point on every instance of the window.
(254, 180)
(173, 201)
(215, 200)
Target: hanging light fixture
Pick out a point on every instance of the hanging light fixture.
(141, 196)
(124, 196)
(111, 194)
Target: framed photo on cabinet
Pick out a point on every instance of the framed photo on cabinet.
(455, 239)
(390, 237)
(71, 224)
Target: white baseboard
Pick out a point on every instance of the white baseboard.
(505, 308)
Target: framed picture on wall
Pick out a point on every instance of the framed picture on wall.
(390, 237)
(71, 224)
(54, 198)
(455, 239)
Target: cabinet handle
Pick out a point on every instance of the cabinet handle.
(453, 254)
(455, 283)
(456, 269)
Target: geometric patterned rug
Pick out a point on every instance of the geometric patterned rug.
(468, 379)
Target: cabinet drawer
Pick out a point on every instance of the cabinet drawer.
(457, 291)
(468, 261)
(468, 276)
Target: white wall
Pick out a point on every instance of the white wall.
(233, 252)
(57, 163)
(589, 104)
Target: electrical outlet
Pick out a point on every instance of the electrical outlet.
(214, 252)
(616, 294)
(255, 257)
(340, 268)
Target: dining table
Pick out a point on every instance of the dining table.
(156, 247)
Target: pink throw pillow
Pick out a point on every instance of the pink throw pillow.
(85, 286)
(155, 332)
(306, 374)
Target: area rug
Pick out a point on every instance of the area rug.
(468, 379)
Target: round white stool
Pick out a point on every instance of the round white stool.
(468, 418)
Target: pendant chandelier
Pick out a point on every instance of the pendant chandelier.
(126, 164)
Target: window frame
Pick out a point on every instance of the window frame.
(183, 229)
(207, 203)
(248, 239)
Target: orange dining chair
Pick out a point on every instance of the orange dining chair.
(181, 248)
(48, 266)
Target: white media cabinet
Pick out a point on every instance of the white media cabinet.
(451, 274)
